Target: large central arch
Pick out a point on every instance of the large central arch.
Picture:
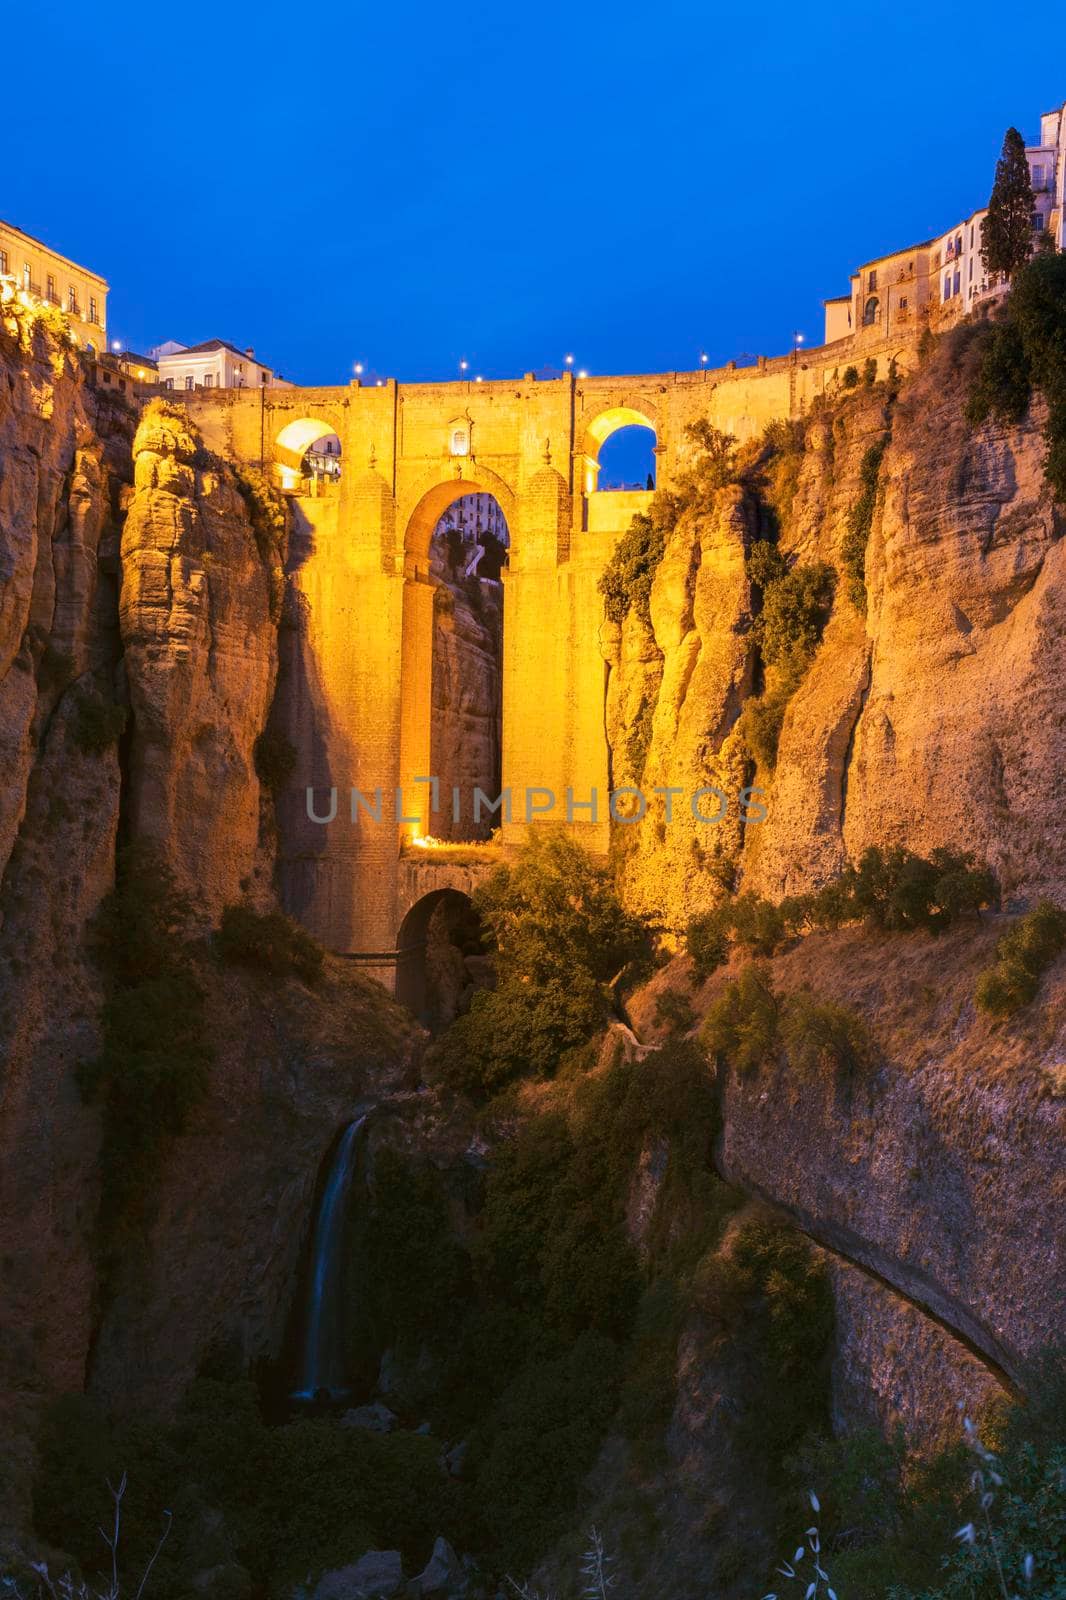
(600, 429)
(416, 645)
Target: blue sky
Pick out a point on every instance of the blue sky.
(409, 184)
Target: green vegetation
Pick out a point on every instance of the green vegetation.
(97, 724)
(869, 371)
(851, 378)
(275, 759)
(892, 889)
(1007, 236)
(627, 578)
(1022, 957)
(296, 1499)
(561, 936)
(796, 602)
(153, 1067)
(860, 523)
(270, 941)
(741, 1024)
(268, 515)
(749, 1025)
(1026, 352)
(545, 1324)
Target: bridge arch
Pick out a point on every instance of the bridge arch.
(417, 630)
(431, 500)
(438, 936)
(626, 414)
(292, 442)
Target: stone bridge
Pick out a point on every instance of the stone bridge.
(357, 669)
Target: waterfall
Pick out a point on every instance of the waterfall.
(322, 1360)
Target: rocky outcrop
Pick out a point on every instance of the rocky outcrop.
(201, 659)
(932, 719)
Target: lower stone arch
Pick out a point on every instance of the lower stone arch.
(421, 984)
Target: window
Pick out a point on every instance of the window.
(26, 279)
(971, 235)
(871, 312)
(872, 284)
(957, 285)
(92, 310)
(209, 381)
(903, 302)
(72, 300)
(188, 381)
(3, 262)
(50, 287)
(947, 286)
(1038, 222)
(168, 383)
(1039, 177)
(958, 244)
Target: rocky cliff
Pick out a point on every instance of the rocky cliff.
(932, 718)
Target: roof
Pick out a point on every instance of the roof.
(890, 255)
(141, 361)
(836, 299)
(213, 344)
(41, 245)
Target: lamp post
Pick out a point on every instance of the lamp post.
(463, 366)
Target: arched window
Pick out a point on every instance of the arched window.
(459, 437)
(871, 312)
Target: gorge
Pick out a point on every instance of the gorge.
(652, 1286)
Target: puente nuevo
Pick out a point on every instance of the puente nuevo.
(360, 563)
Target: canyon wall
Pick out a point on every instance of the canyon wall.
(932, 719)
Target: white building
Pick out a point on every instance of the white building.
(215, 364)
(944, 278)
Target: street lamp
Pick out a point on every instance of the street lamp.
(116, 345)
(569, 361)
(463, 365)
(358, 369)
(583, 373)
(703, 358)
(798, 339)
(479, 379)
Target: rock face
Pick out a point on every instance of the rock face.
(933, 719)
(467, 685)
(201, 659)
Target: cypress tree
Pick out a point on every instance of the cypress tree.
(1008, 232)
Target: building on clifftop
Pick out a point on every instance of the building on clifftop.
(41, 272)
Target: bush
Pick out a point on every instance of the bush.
(796, 602)
(741, 1026)
(561, 937)
(275, 759)
(1022, 957)
(860, 523)
(674, 1010)
(869, 371)
(820, 1034)
(897, 890)
(270, 941)
(851, 377)
(1029, 351)
(97, 724)
(153, 1067)
(627, 578)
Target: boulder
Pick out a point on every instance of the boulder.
(376, 1576)
(375, 1418)
(443, 1573)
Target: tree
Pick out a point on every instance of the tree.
(1008, 230)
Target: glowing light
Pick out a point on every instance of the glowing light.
(358, 369)
(569, 361)
(703, 358)
(463, 365)
(479, 379)
(426, 841)
(379, 383)
(582, 373)
(116, 345)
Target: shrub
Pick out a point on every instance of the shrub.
(1022, 956)
(628, 576)
(275, 759)
(860, 523)
(561, 936)
(674, 1010)
(869, 371)
(97, 724)
(707, 941)
(741, 1026)
(851, 377)
(153, 1066)
(820, 1034)
(270, 941)
(1028, 351)
(898, 890)
(754, 923)
(795, 607)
